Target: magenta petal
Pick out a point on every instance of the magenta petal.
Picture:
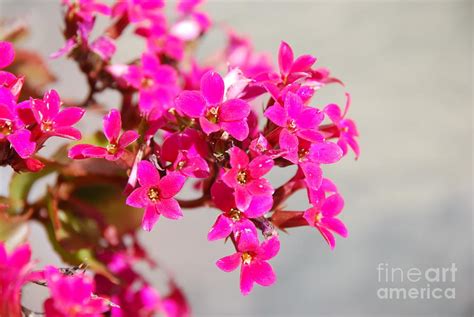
(277, 114)
(262, 273)
(260, 166)
(229, 263)
(259, 205)
(335, 225)
(246, 235)
(333, 205)
(313, 174)
(171, 184)
(191, 103)
(285, 58)
(334, 112)
(260, 187)
(212, 87)
(303, 63)
(69, 116)
(325, 153)
(127, 138)
(309, 118)
(237, 129)
(7, 54)
(238, 158)
(222, 228)
(246, 280)
(269, 248)
(112, 125)
(169, 208)
(150, 217)
(21, 256)
(328, 236)
(242, 198)
(53, 101)
(138, 198)
(94, 152)
(230, 178)
(222, 196)
(289, 142)
(20, 141)
(148, 174)
(67, 132)
(76, 151)
(310, 215)
(207, 126)
(233, 110)
(293, 105)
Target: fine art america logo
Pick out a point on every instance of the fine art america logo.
(416, 283)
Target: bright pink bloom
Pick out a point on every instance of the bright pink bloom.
(233, 220)
(156, 195)
(53, 122)
(118, 141)
(156, 83)
(15, 271)
(12, 127)
(7, 54)
(191, 23)
(72, 295)
(138, 10)
(86, 9)
(245, 177)
(214, 114)
(346, 128)
(175, 303)
(323, 214)
(297, 121)
(253, 260)
(292, 69)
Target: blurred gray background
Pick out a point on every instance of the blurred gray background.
(408, 66)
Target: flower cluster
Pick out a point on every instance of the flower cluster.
(181, 123)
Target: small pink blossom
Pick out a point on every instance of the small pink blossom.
(156, 195)
(118, 141)
(53, 122)
(233, 220)
(138, 10)
(322, 215)
(15, 271)
(12, 127)
(215, 114)
(297, 121)
(245, 177)
(72, 296)
(86, 9)
(253, 261)
(346, 128)
(7, 54)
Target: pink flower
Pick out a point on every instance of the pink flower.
(214, 114)
(322, 215)
(293, 69)
(15, 271)
(86, 9)
(156, 195)
(253, 260)
(138, 10)
(233, 220)
(245, 177)
(12, 127)
(118, 141)
(346, 128)
(156, 83)
(296, 121)
(53, 122)
(7, 54)
(72, 296)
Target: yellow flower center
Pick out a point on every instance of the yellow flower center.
(242, 177)
(147, 82)
(212, 114)
(246, 258)
(318, 217)
(291, 125)
(181, 164)
(6, 128)
(153, 194)
(47, 126)
(234, 214)
(112, 148)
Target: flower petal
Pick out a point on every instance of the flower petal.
(246, 280)
(212, 87)
(262, 273)
(234, 110)
(171, 184)
(191, 103)
(221, 229)
(229, 263)
(7, 53)
(20, 141)
(335, 225)
(277, 114)
(69, 116)
(259, 205)
(325, 153)
(269, 248)
(242, 198)
(260, 166)
(67, 132)
(238, 158)
(148, 174)
(313, 174)
(285, 58)
(138, 198)
(293, 105)
(207, 126)
(332, 205)
(127, 138)
(237, 129)
(94, 152)
(259, 187)
(303, 63)
(169, 208)
(309, 118)
(328, 236)
(150, 217)
(112, 125)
